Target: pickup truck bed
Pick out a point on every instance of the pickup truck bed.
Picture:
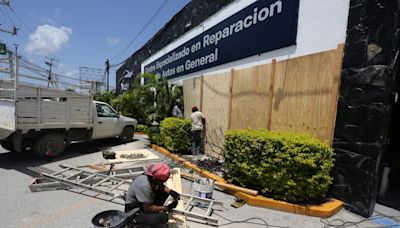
(42, 108)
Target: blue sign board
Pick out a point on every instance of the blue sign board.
(262, 26)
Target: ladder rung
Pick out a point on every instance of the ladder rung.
(59, 172)
(87, 178)
(100, 182)
(189, 203)
(116, 186)
(208, 213)
(6, 89)
(72, 175)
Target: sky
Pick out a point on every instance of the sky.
(82, 32)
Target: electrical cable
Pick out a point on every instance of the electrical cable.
(230, 221)
(343, 224)
(4, 16)
(20, 20)
(140, 32)
(8, 15)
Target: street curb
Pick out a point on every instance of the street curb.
(325, 210)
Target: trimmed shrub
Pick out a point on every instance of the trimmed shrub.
(154, 135)
(175, 134)
(141, 128)
(286, 166)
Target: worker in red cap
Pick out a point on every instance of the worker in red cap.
(149, 193)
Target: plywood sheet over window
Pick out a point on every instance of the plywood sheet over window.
(216, 98)
(191, 94)
(251, 98)
(305, 92)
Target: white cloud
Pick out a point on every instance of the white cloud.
(112, 40)
(48, 39)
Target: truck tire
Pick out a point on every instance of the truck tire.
(49, 146)
(8, 145)
(127, 134)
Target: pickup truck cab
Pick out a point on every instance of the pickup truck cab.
(107, 123)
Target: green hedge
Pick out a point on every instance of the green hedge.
(285, 166)
(175, 134)
(154, 135)
(141, 128)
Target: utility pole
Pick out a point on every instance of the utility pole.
(107, 72)
(51, 81)
(10, 62)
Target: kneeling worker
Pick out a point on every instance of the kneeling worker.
(148, 193)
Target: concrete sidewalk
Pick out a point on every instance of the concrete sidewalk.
(22, 208)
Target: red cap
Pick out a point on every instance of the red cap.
(160, 171)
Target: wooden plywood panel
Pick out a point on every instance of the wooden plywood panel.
(303, 93)
(26, 91)
(191, 94)
(216, 98)
(251, 98)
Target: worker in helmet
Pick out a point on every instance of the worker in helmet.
(149, 193)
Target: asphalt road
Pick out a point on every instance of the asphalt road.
(21, 208)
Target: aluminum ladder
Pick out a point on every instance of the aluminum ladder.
(113, 188)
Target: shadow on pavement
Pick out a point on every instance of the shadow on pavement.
(20, 161)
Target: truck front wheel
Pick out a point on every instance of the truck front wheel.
(49, 146)
(127, 134)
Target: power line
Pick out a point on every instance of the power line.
(140, 33)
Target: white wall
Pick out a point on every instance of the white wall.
(322, 26)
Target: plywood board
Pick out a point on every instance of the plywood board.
(251, 97)
(303, 92)
(149, 157)
(216, 98)
(191, 94)
(175, 183)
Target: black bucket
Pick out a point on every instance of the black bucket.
(115, 219)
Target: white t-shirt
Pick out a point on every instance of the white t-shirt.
(197, 121)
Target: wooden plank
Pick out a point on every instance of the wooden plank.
(201, 93)
(335, 92)
(79, 115)
(26, 110)
(27, 115)
(26, 120)
(231, 78)
(251, 97)
(23, 126)
(271, 93)
(26, 92)
(149, 156)
(175, 183)
(215, 109)
(191, 94)
(303, 94)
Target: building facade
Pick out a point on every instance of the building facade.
(323, 67)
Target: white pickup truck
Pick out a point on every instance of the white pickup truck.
(46, 120)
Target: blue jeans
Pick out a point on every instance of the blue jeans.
(196, 142)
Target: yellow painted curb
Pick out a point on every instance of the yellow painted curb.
(324, 210)
(140, 133)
